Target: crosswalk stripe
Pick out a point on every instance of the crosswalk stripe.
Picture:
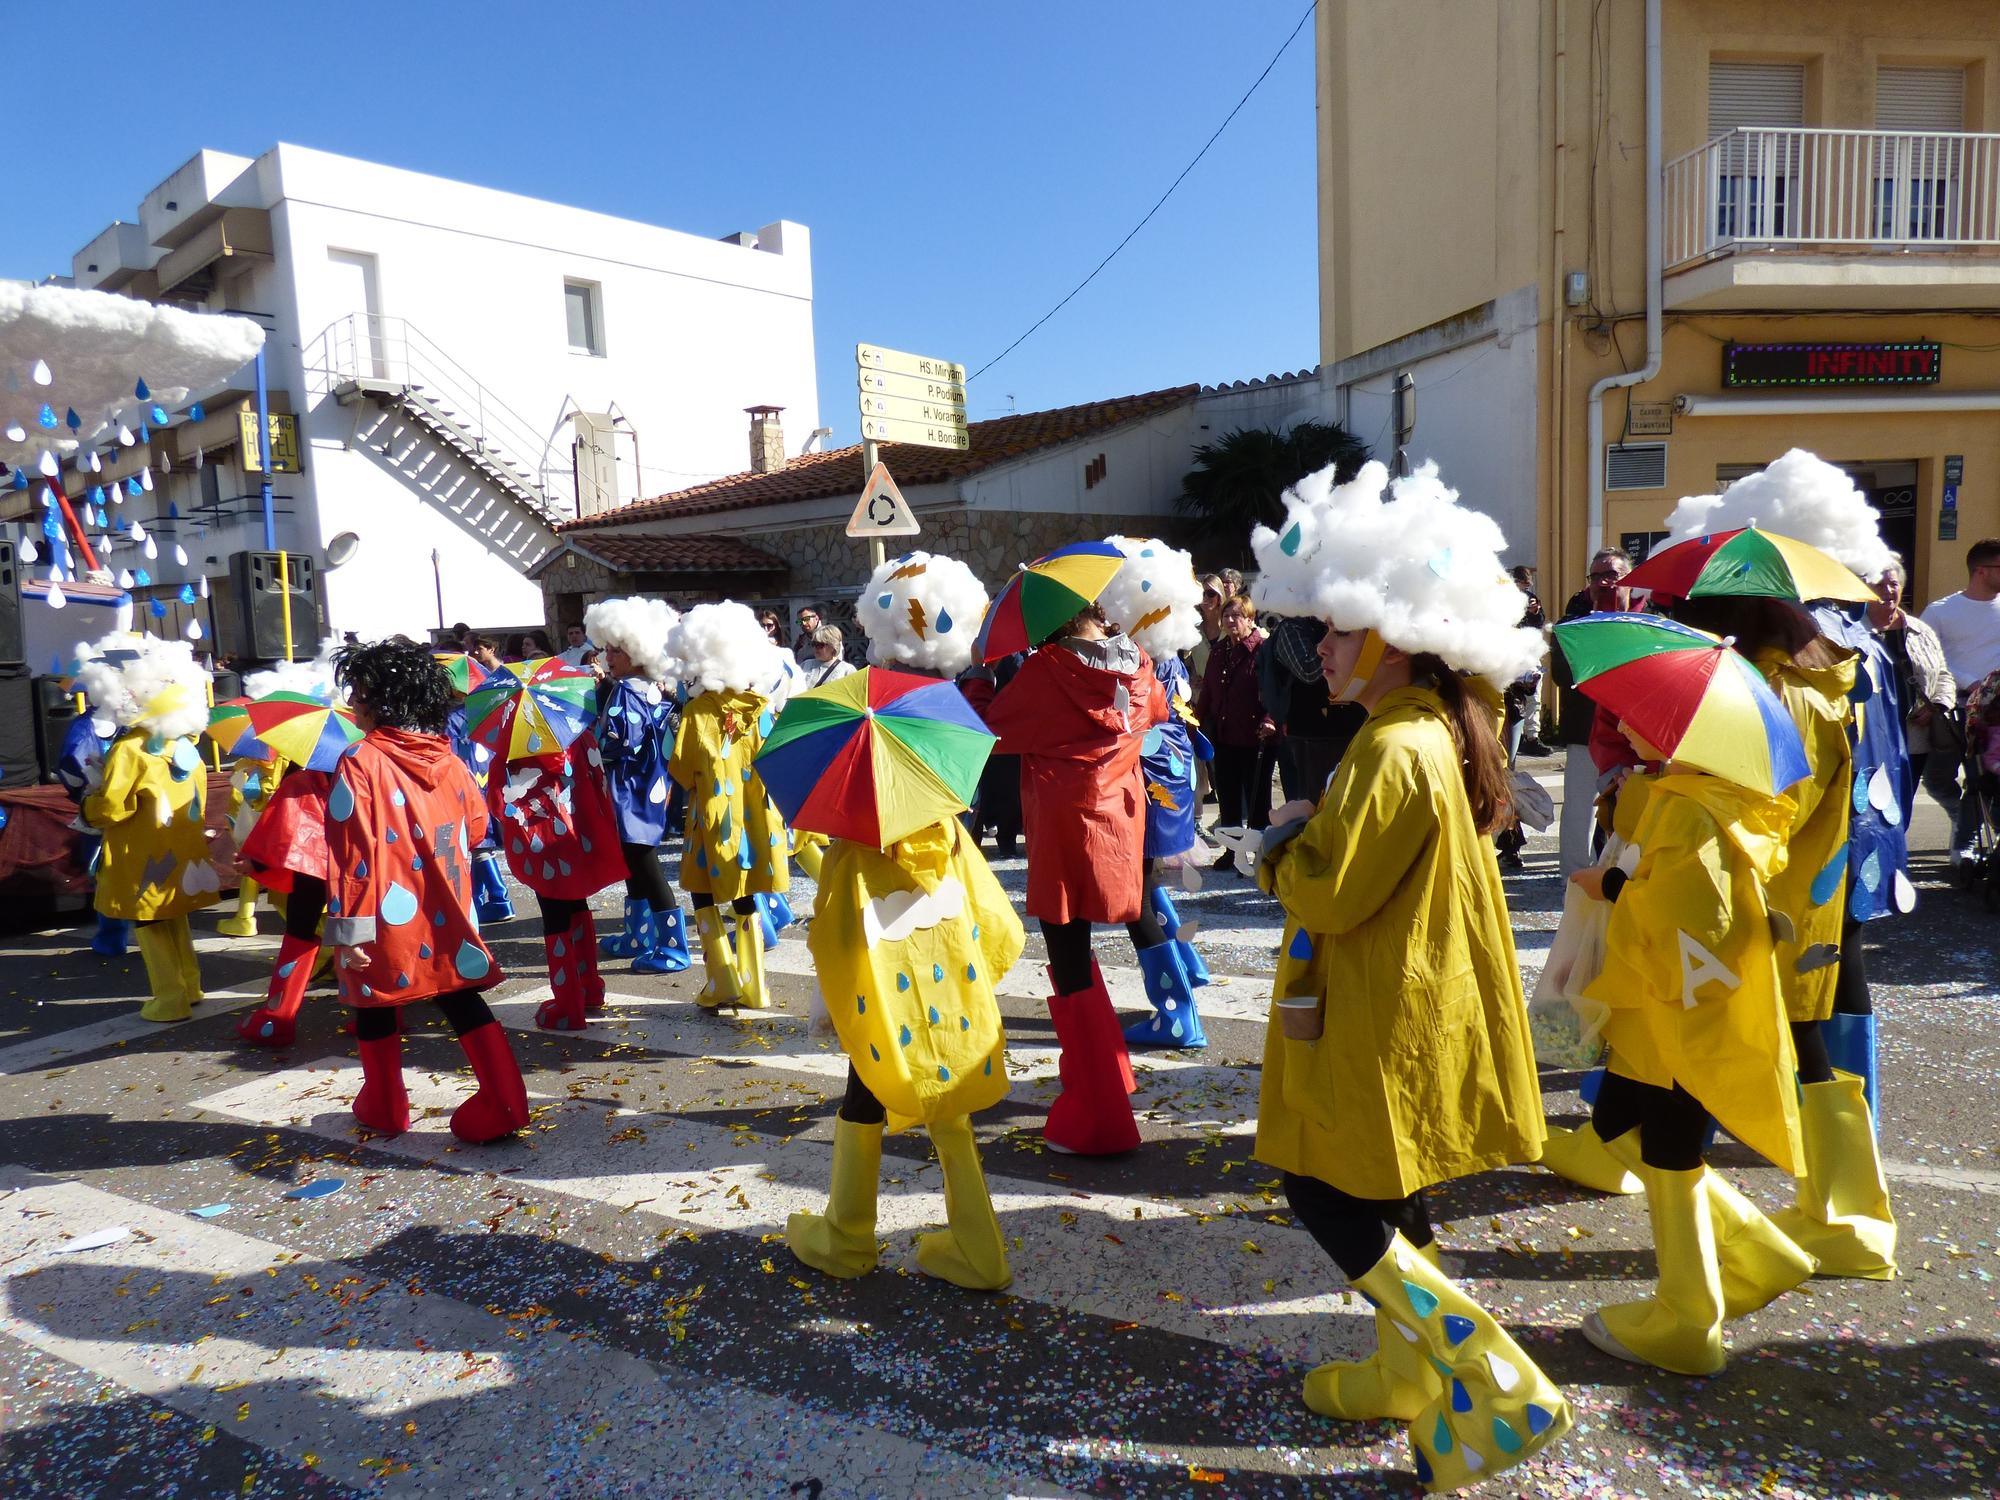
(1096, 1253)
(188, 1335)
(51, 1047)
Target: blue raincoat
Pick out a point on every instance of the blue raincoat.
(1885, 787)
(635, 732)
(1166, 761)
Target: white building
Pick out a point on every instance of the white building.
(468, 369)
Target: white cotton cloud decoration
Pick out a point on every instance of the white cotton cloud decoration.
(314, 678)
(166, 689)
(639, 627)
(1154, 598)
(922, 610)
(1801, 496)
(1412, 564)
(722, 648)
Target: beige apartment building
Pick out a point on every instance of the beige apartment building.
(1597, 295)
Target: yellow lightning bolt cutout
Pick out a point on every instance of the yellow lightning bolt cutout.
(917, 617)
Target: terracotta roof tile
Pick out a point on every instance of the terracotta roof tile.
(675, 554)
(814, 476)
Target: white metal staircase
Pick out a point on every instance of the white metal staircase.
(388, 362)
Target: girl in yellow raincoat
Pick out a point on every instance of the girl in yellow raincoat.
(1397, 1054)
(735, 846)
(908, 943)
(150, 808)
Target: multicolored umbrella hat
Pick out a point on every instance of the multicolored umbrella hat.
(1687, 694)
(1747, 563)
(465, 673)
(227, 722)
(874, 756)
(1045, 595)
(531, 708)
(305, 730)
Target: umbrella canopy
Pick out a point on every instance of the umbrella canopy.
(305, 730)
(1747, 563)
(531, 708)
(465, 673)
(1045, 595)
(1688, 695)
(874, 756)
(227, 722)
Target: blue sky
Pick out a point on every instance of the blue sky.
(961, 167)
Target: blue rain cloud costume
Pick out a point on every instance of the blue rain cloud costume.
(489, 887)
(1167, 762)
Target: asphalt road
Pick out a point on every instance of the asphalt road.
(605, 1306)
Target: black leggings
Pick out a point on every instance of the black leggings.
(742, 905)
(646, 878)
(861, 1107)
(1069, 947)
(1672, 1123)
(558, 912)
(464, 1009)
(1245, 802)
(1355, 1231)
(1850, 998)
(304, 907)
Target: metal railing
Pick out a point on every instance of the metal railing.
(372, 347)
(1795, 188)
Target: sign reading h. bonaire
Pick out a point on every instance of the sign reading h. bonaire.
(1917, 362)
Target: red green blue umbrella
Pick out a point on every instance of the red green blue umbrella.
(1747, 563)
(1045, 595)
(465, 673)
(531, 708)
(1687, 694)
(874, 756)
(305, 730)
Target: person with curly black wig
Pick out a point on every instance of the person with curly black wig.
(401, 821)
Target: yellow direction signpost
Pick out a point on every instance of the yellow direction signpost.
(905, 398)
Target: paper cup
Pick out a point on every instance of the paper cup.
(1302, 1018)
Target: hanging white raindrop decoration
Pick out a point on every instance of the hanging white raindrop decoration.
(180, 554)
(194, 630)
(56, 599)
(29, 551)
(43, 375)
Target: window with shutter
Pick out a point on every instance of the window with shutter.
(1635, 466)
(1758, 173)
(1917, 170)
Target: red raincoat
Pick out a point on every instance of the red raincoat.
(561, 835)
(290, 836)
(401, 821)
(1078, 729)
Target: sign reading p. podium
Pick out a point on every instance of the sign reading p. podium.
(911, 398)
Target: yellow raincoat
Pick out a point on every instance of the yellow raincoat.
(1396, 919)
(908, 945)
(252, 783)
(149, 809)
(1690, 970)
(1811, 894)
(735, 842)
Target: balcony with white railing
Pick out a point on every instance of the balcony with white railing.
(1833, 218)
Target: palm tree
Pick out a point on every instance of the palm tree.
(1238, 481)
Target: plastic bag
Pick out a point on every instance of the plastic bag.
(1533, 806)
(1563, 1024)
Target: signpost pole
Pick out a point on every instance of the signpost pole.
(877, 553)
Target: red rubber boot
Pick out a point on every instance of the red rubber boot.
(1092, 1116)
(275, 1022)
(383, 1105)
(501, 1105)
(583, 943)
(564, 1009)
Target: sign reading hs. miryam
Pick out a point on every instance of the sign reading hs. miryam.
(1917, 362)
(284, 442)
(910, 398)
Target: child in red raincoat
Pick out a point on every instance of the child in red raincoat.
(286, 854)
(401, 820)
(1077, 714)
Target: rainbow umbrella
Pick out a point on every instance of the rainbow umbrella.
(874, 756)
(227, 722)
(1747, 563)
(1688, 695)
(531, 708)
(465, 673)
(1045, 595)
(305, 730)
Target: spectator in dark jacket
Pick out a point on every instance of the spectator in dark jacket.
(1577, 717)
(1231, 710)
(1314, 730)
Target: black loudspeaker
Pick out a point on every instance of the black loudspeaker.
(229, 684)
(258, 587)
(55, 712)
(10, 606)
(20, 755)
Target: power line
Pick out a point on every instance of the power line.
(1157, 206)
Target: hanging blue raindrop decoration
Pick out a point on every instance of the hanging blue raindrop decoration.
(159, 610)
(140, 390)
(72, 420)
(196, 412)
(144, 580)
(187, 593)
(47, 416)
(131, 486)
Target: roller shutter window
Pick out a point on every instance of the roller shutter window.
(1917, 172)
(1757, 174)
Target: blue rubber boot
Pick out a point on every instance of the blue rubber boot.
(1588, 1085)
(669, 953)
(490, 901)
(1175, 1022)
(1850, 1046)
(637, 937)
(1170, 919)
(113, 936)
(774, 913)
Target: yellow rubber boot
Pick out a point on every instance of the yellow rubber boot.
(810, 853)
(1581, 1157)
(243, 921)
(1678, 1328)
(750, 993)
(1494, 1407)
(1758, 1261)
(841, 1241)
(159, 950)
(971, 1253)
(1395, 1382)
(1842, 1218)
(190, 965)
(723, 987)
